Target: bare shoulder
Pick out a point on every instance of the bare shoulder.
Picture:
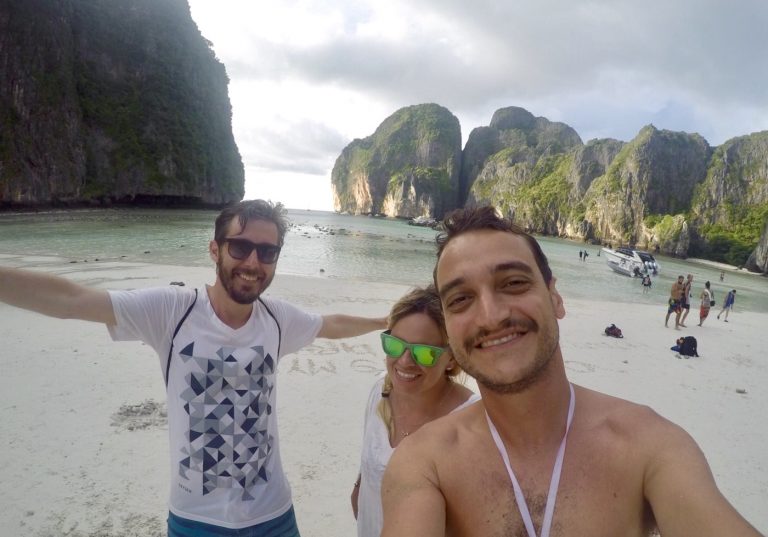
(669, 465)
(450, 429)
(658, 441)
(439, 440)
(630, 433)
(416, 490)
(622, 418)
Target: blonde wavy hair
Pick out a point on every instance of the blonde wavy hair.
(419, 300)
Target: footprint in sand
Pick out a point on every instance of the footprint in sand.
(579, 367)
(129, 526)
(141, 416)
(740, 359)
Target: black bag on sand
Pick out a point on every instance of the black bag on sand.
(613, 331)
(689, 347)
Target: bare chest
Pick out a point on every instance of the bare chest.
(599, 494)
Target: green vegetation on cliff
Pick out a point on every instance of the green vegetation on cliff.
(735, 242)
(428, 180)
(730, 207)
(546, 196)
(664, 190)
(409, 166)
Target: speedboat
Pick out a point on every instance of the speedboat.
(424, 221)
(631, 262)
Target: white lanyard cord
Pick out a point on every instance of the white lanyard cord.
(553, 484)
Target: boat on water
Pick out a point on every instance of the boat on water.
(631, 262)
(424, 221)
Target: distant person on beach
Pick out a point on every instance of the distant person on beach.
(722, 275)
(619, 468)
(581, 255)
(675, 301)
(418, 387)
(707, 301)
(647, 283)
(218, 348)
(730, 299)
(686, 304)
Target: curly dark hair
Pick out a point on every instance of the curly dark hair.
(247, 210)
(486, 217)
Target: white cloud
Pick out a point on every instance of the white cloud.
(307, 76)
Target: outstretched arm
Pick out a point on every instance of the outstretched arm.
(342, 326)
(682, 492)
(412, 501)
(54, 296)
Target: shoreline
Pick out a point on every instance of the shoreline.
(723, 266)
(38, 210)
(99, 458)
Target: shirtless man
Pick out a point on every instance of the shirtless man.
(676, 301)
(625, 470)
(686, 303)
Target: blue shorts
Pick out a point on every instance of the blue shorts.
(282, 526)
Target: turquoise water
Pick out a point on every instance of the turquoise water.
(329, 245)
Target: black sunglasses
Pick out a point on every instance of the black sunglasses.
(241, 249)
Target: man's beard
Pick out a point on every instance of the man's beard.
(547, 345)
(241, 297)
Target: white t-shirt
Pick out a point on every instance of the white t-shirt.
(374, 459)
(706, 298)
(222, 425)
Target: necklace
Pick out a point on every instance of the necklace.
(554, 482)
(404, 433)
(406, 430)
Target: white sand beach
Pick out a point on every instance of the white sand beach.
(84, 439)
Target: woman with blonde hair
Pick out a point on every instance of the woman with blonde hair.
(418, 387)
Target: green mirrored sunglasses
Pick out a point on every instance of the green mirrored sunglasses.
(425, 355)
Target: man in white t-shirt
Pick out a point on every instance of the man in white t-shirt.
(219, 348)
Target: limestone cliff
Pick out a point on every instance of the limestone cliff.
(664, 191)
(106, 101)
(408, 167)
(652, 176)
(758, 259)
(731, 205)
(521, 137)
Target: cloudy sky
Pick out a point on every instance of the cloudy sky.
(308, 76)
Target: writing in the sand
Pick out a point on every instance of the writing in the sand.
(323, 357)
(330, 348)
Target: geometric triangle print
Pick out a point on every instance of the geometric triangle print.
(224, 352)
(259, 349)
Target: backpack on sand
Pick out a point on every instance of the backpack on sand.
(689, 347)
(613, 331)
